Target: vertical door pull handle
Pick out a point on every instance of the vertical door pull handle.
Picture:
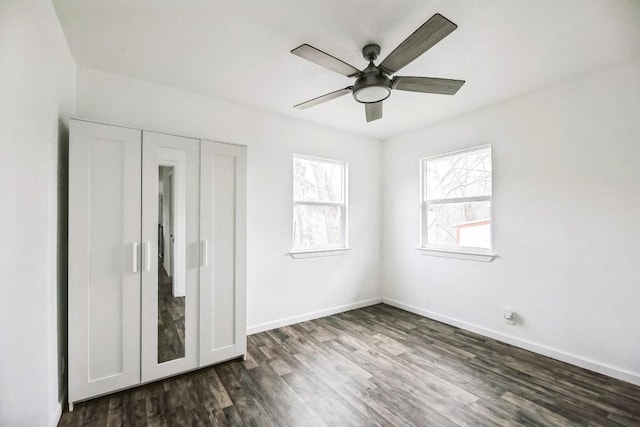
(146, 256)
(203, 253)
(134, 257)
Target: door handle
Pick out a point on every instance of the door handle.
(134, 257)
(203, 253)
(146, 256)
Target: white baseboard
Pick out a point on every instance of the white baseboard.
(54, 419)
(310, 316)
(582, 362)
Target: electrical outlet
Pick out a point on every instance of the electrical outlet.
(509, 316)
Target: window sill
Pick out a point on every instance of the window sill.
(318, 253)
(466, 255)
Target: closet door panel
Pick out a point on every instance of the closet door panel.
(104, 282)
(170, 260)
(222, 275)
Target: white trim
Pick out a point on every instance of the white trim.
(345, 200)
(318, 253)
(456, 152)
(554, 353)
(336, 204)
(321, 159)
(458, 200)
(467, 255)
(343, 205)
(267, 326)
(54, 419)
(425, 202)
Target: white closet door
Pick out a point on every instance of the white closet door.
(223, 241)
(170, 254)
(104, 281)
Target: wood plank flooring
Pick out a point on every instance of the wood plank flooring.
(373, 366)
(170, 319)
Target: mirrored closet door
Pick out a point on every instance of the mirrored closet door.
(170, 254)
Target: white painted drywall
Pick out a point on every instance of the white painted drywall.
(278, 287)
(37, 95)
(566, 219)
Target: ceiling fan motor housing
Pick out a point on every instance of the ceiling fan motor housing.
(373, 85)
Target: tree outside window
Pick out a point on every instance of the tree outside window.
(457, 200)
(319, 203)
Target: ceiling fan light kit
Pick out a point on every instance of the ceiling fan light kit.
(369, 94)
(374, 84)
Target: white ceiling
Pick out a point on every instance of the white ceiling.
(238, 51)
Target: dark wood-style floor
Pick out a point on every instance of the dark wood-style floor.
(373, 366)
(170, 319)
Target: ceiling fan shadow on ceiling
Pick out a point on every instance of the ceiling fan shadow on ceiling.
(374, 84)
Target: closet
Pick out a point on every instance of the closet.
(157, 232)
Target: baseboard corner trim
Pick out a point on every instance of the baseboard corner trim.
(267, 326)
(54, 419)
(554, 353)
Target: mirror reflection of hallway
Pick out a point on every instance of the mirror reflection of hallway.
(171, 329)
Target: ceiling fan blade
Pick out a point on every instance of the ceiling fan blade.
(323, 98)
(422, 39)
(325, 60)
(427, 85)
(373, 110)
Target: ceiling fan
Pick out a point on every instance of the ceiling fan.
(374, 84)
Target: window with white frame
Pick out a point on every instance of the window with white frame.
(456, 200)
(319, 203)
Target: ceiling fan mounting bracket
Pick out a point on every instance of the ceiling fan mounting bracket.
(371, 52)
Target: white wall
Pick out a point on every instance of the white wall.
(566, 216)
(280, 289)
(566, 209)
(37, 95)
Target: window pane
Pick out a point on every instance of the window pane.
(466, 174)
(317, 180)
(317, 226)
(459, 224)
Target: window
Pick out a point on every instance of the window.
(456, 201)
(319, 204)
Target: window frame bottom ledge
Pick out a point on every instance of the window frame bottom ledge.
(465, 255)
(313, 253)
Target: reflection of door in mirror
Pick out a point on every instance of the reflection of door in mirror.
(170, 299)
